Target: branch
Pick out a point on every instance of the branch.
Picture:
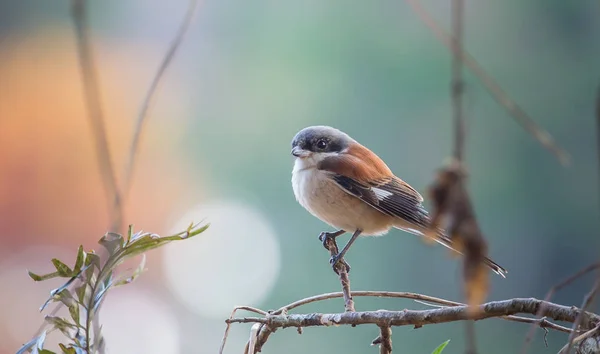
(185, 24)
(384, 340)
(495, 90)
(589, 334)
(551, 293)
(587, 301)
(342, 271)
(501, 309)
(420, 318)
(457, 80)
(96, 115)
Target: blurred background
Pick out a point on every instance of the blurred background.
(216, 147)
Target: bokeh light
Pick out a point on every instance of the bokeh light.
(234, 262)
(22, 297)
(135, 321)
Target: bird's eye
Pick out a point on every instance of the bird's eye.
(322, 144)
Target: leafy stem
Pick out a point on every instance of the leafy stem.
(87, 285)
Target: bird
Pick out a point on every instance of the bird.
(350, 188)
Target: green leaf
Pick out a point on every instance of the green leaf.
(151, 241)
(27, 346)
(79, 260)
(80, 291)
(129, 233)
(92, 262)
(136, 273)
(62, 269)
(113, 242)
(440, 347)
(74, 312)
(46, 351)
(67, 350)
(39, 344)
(36, 277)
(61, 324)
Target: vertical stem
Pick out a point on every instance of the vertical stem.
(457, 80)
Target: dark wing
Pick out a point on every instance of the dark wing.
(375, 185)
(390, 196)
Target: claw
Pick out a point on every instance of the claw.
(324, 236)
(334, 260)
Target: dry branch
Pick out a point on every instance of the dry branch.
(341, 269)
(450, 312)
(495, 90)
(425, 317)
(150, 94)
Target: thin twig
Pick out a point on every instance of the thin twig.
(150, 94)
(91, 90)
(496, 91)
(587, 301)
(550, 294)
(457, 80)
(386, 294)
(247, 308)
(592, 332)
(384, 340)
(342, 272)
(598, 139)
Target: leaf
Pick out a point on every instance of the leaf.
(36, 277)
(67, 350)
(136, 273)
(129, 234)
(39, 344)
(92, 261)
(80, 291)
(62, 269)
(440, 347)
(56, 291)
(79, 260)
(25, 348)
(46, 351)
(61, 324)
(145, 244)
(113, 242)
(74, 312)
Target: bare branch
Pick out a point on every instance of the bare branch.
(587, 301)
(96, 115)
(551, 293)
(457, 80)
(495, 90)
(451, 312)
(247, 308)
(589, 334)
(150, 94)
(386, 294)
(384, 340)
(425, 317)
(342, 271)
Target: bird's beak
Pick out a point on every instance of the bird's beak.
(299, 152)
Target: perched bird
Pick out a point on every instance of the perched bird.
(349, 187)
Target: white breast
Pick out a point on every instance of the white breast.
(323, 198)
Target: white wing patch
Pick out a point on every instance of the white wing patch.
(381, 194)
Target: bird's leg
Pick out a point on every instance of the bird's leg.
(324, 236)
(339, 257)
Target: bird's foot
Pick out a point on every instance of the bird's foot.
(325, 236)
(334, 260)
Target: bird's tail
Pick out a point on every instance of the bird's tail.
(449, 243)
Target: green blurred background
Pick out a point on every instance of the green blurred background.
(249, 75)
